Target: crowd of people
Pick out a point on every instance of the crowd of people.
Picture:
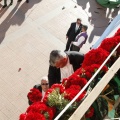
(62, 64)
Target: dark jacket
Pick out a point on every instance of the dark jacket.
(54, 74)
(71, 31)
(38, 86)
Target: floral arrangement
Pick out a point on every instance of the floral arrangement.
(34, 95)
(38, 111)
(59, 95)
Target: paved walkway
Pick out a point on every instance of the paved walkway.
(28, 32)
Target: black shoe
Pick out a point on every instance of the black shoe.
(4, 6)
(27, 1)
(19, 0)
(11, 3)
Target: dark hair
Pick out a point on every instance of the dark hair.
(79, 19)
(56, 55)
(85, 27)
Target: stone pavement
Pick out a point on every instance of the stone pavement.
(28, 33)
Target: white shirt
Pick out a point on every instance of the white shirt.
(76, 28)
(66, 71)
(80, 40)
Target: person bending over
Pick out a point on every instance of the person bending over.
(63, 64)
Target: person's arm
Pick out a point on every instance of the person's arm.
(51, 75)
(80, 40)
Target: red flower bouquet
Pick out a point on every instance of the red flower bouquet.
(38, 111)
(95, 56)
(74, 79)
(72, 91)
(60, 87)
(109, 44)
(59, 95)
(54, 97)
(34, 95)
(32, 116)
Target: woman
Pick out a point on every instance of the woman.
(42, 87)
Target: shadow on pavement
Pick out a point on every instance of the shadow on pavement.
(15, 17)
(99, 17)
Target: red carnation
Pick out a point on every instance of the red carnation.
(37, 107)
(66, 83)
(75, 87)
(89, 113)
(77, 80)
(35, 116)
(117, 33)
(88, 75)
(109, 44)
(79, 71)
(58, 86)
(32, 116)
(22, 117)
(34, 95)
(81, 96)
(72, 92)
(51, 112)
(95, 56)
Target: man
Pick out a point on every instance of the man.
(73, 31)
(63, 64)
(80, 39)
(42, 87)
(27, 1)
(5, 3)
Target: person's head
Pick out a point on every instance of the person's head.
(44, 83)
(78, 21)
(84, 28)
(58, 58)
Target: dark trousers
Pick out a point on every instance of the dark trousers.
(74, 48)
(68, 45)
(5, 2)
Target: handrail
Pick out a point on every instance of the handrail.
(92, 78)
(84, 106)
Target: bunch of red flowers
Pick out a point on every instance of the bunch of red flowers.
(72, 91)
(59, 95)
(88, 71)
(74, 79)
(109, 44)
(55, 89)
(34, 95)
(38, 111)
(95, 56)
